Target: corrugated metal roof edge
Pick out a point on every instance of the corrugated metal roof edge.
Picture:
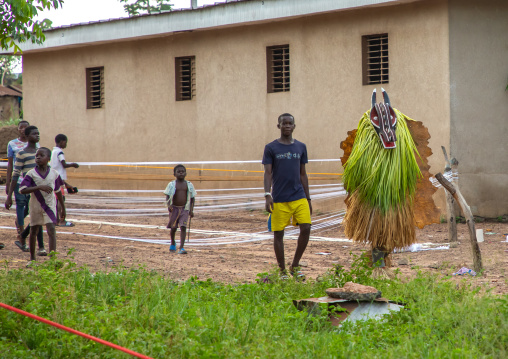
(191, 20)
(56, 28)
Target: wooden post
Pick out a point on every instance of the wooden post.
(454, 191)
(450, 204)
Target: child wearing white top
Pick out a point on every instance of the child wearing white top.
(58, 164)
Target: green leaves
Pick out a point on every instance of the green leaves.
(383, 177)
(18, 25)
(139, 7)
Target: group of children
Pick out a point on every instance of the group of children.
(285, 183)
(41, 172)
(37, 177)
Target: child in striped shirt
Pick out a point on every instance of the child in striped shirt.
(24, 162)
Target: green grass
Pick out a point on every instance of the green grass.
(146, 312)
(10, 122)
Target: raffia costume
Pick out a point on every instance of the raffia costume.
(381, 176)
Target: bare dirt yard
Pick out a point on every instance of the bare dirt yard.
(240, 263)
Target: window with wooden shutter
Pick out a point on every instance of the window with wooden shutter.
(95, 87)
(277, 63)
(375, 59)
(185, 78)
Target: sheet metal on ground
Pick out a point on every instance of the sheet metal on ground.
(354, 310)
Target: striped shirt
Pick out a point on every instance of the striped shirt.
(25, 161)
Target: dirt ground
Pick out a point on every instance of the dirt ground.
(241, 262)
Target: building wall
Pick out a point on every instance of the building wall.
(479, 107)
(232, 116)
(9, 108)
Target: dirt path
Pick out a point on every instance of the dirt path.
(241, 262)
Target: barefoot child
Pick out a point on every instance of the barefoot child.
(43, 182)
(180, 197)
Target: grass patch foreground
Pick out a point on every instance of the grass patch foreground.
(153, 315)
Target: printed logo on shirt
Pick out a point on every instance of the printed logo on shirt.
(288, 155)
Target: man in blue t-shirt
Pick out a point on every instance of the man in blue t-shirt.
(284, 160)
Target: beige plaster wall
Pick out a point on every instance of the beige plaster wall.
(479, 107)
(232, 116)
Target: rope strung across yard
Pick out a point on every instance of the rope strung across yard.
(4, 164)
(73, 331)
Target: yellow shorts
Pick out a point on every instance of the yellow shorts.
(283, 212)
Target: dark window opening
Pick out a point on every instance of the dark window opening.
(185, 71)
(375, 59)
(277, 61)
(95, 87)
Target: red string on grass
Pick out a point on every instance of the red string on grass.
(59, 326)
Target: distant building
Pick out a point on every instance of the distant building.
(209, 83)
(10, 103)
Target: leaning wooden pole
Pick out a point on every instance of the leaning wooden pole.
(450, 204)
(454, 191)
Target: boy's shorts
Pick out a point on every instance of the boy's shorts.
(179, 217)
(283, 212)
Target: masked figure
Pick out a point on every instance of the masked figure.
(381, 176)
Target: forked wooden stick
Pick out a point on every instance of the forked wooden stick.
(454, 191)
(450, 204)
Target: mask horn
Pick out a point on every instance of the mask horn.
(385, 97)
(373, 98)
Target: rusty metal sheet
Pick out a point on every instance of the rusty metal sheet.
(354, 310)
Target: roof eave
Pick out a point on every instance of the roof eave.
(244, 12)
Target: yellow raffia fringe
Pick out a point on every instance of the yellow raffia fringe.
(366, 224)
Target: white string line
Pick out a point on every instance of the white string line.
(168, 242)
(187, 162)
(200, 190)
(4, 164)
(229, 206)
(338, 219)
(153, 199)
(315, 227)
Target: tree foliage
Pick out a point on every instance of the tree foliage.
(7, 64)
(138, 7)
(18, 24)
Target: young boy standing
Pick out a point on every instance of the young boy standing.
(44, 183)
(58, 164)
(180, 198)
(13, 147)
(25, 161)
(285, 175)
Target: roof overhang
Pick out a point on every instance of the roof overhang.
(230, 14)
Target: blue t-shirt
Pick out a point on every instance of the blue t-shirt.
(286, 161)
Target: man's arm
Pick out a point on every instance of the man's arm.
(44, 188)
(8, 201)
(170, 206)
(68, 165)
(305, 183)
(10, 163)
(18, 166)
(268, 186)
